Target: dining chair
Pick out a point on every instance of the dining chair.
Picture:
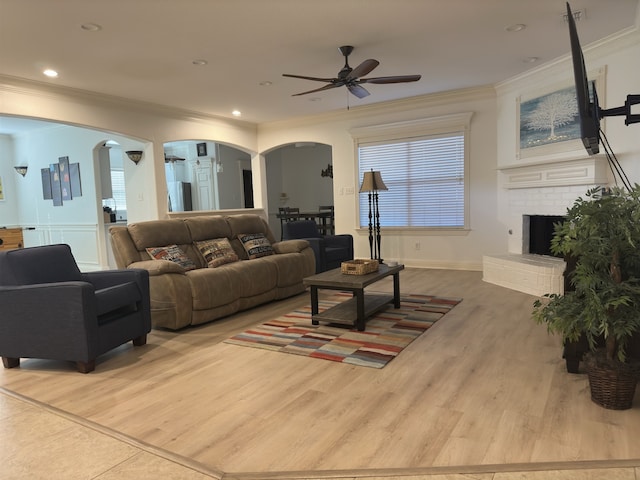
(326, 223)
(287, 214)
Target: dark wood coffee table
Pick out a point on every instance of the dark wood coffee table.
(356, 310)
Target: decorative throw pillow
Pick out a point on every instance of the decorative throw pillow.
(173, 253)
(217, 252)
(255, 244)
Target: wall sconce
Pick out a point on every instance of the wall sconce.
(327, 172)
(21, 169)
(134, 155)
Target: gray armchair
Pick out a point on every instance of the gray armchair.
(52, 310)
(330, 250)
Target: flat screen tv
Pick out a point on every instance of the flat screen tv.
(588, 108)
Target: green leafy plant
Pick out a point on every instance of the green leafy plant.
(602, 232)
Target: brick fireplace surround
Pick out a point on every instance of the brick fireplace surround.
(543, 189)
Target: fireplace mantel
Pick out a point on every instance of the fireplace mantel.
(586, 171)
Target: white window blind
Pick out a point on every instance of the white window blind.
(118, 190)
(425, 178)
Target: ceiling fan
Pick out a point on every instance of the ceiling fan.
(350, 77)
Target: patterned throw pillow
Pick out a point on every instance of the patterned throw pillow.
(172, 253)
(216, 252)
(255, 244)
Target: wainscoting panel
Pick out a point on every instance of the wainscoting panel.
(83, 240)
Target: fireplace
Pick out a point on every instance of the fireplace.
(537, 232)
(538, 193)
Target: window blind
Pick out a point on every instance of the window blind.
(424, 177)
(118, 190)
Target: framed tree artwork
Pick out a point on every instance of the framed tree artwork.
(548, 122)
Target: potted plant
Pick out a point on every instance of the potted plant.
(602, 233)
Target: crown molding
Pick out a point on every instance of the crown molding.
(404, 105)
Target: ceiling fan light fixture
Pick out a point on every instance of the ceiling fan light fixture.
(352, 77)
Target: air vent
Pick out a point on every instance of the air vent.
(577, 16)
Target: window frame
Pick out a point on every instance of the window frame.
(454, 124)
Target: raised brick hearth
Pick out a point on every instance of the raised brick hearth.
(544, 189)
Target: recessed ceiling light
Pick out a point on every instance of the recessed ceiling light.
(236, 113)
(50, 73)
(91, 27)
(315, 99)
(530, 59)
(516, 27)
(265, 83)
(200, 62)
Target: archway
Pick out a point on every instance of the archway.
(299, 175)
(207, 175)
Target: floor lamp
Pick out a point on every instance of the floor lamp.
(372, 183)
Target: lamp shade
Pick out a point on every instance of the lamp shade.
(372, 181)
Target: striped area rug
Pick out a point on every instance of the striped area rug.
(387, 333)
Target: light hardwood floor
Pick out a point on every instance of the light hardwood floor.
(483, 391)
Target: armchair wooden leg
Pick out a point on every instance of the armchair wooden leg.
(86, 367)
(139, 341)
(10, 362)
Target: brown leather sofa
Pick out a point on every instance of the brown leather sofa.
(182, 297)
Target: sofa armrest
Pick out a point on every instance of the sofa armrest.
(318, 246)
(158, 267)
(27, 326)
(290, 246)
(108, 278)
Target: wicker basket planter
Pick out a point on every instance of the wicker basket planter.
(611, 388)
(359, 267)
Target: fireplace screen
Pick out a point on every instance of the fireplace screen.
(538, 232)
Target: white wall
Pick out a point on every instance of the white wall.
(439, 250)
(617, 62)
(436, 249)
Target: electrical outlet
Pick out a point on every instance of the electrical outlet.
(417, 245)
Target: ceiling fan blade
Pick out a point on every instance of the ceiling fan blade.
(358, 91)
(396, 79)
(362, 69)
(326, 87)
(328, 80)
